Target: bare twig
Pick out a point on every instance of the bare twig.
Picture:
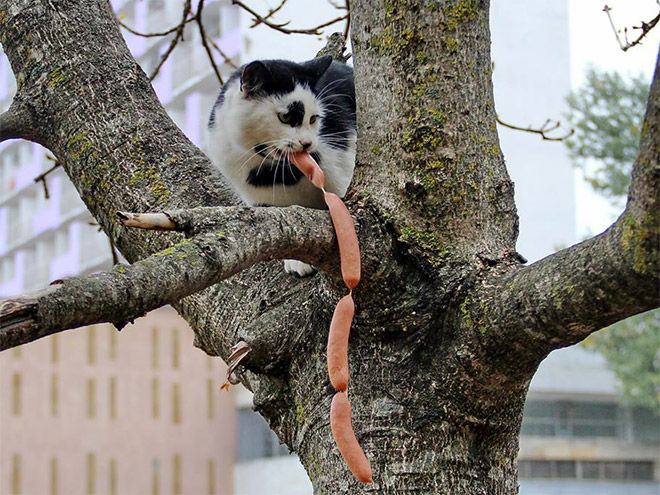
(645, 27)
(547, 127)
(228, 60)
(337, 5)
(259, 19)
(271, 12)
(347, 28)
(42, 177)
(202, 34)
(175, 41)
(154, 35)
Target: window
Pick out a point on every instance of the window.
(16, 473)
(229, 18)
(211, 480)
(155, 409)
(16, 394)
(113, 477)
(91, 398)
(176, 348)
(91, 473)
(210, 394)
(91, 344)
(645, 425)
(176, 481)
(53, 475)
(212, 20)
(155, 482)
(112, 348)
(255, 438)
(154, 348)
(155, 5)
(588, 470)
(572, 419)
(54, 394)
(112, 390)
(176, 403)
(7, 269)
(61, 242)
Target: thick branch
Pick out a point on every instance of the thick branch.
(248, 236)
(561, 299)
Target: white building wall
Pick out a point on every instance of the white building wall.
(530, 50)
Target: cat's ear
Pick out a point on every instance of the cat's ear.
(316, 67)
(253, 78)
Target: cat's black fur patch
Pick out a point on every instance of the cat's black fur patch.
(336, 90)
(270, 174)
(295, 114)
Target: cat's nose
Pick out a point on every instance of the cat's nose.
(306, 145)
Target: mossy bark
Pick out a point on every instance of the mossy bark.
(449, 326)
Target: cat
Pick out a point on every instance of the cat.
(269, 108)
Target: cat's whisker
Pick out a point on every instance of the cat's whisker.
(329, 86)
(274, 150)
(255, 154)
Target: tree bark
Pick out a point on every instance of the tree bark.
(449, 326)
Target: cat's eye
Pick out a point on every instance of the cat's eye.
(313, 119)
(284, 117)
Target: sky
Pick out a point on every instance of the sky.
(592, 42)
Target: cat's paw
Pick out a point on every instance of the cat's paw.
(298, 268)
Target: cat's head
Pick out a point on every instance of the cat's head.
(280, 112)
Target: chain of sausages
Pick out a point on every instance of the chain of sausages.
(340, 327)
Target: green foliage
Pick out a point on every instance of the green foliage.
(607, 115)
(632, 349)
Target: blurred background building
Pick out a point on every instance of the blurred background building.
(141, 411)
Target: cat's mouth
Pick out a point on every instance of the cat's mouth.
(274, 152)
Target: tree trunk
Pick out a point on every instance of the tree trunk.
(449, 326)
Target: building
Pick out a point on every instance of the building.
(94, 410)
(65, 400)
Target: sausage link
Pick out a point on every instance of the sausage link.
(340, 328)
(349, 250)
(340, 423)
(308, 166)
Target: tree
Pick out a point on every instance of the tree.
(631, 349)
(450, 326)
(607, 113)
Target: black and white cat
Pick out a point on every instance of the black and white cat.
(269, 108)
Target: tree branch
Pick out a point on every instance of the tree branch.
(561, 299)
(259, 19)
(645, 27)
(175, 41)
(225, 241)
(547, 127)
(17, 123)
